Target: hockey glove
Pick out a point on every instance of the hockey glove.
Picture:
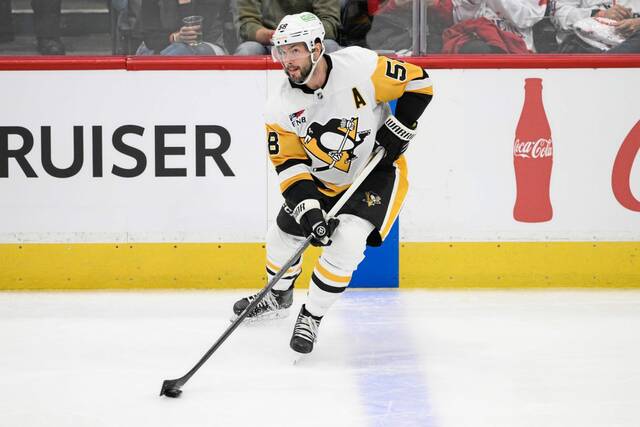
(394, 137)
(312, 221)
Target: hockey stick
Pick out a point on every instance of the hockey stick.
(171, 388)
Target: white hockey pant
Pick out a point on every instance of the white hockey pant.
(333, 270)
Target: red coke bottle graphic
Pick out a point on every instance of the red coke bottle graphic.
(621, 175)
(533, 158)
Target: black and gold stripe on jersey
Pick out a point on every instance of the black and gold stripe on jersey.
(409, 84)
(329, 189)
(393, 78)
(288, 156)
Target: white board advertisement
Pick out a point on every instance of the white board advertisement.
(179, 156)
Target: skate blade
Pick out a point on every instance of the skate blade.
(298, 358)
(279, 314)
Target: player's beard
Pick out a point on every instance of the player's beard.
(303, 71)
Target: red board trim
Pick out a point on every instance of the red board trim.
(28, 63)
(145, 63)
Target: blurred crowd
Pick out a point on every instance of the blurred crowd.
(245, 27)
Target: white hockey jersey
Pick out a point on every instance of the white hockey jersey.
(329, 134)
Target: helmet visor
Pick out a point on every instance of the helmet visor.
(289, 52)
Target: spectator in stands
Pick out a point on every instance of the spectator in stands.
(257, 20)
(578, 33)
(391, 30)
(355, 23)
(46, 23)
(164, 33)
(490, 26)
(128, 31)
(386, 25)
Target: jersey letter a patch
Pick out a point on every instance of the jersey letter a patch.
(357, 98)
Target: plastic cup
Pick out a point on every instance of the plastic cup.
(196, 22)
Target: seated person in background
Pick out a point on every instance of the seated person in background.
(128, 22)
(355, 23)
(164, 32)
(391, 30)
(46, 23)
(491, 26)
(257, 20)
(598, 26)
(386, 25)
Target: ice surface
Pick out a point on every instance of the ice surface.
(384, 358)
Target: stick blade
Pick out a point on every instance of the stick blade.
(170, 388)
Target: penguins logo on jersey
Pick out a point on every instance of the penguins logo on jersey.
(334, 142)
(372, 199)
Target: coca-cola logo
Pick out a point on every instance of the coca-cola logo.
(621, 174)
(533, 149)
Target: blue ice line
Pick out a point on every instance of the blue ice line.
(390, 380)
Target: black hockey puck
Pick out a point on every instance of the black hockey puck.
(172, 392)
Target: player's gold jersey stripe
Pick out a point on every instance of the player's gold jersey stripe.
(332, 190)
(276, 268)
(329, 275)
(298, 177)
(399, 194)
(388, 88)
(289, 145)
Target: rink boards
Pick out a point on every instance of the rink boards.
(160, 179)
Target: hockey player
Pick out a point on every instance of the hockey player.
(321, 128)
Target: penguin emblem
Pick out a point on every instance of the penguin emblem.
(334, 142)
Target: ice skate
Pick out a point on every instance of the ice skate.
(305, 332)
(274, 305)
